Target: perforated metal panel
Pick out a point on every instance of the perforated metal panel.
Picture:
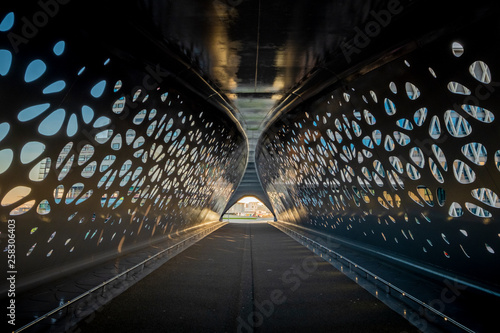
(100, 154)
(404, 159)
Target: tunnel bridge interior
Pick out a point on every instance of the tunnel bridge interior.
(373, 122)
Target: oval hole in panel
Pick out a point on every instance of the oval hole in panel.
(479, 113)
(486, 196)
(456, 125)
(40, 171)
(455, 210)
(98, 89)
(6, 157)
(477, 210)
(34, 70)
(31, 151)
(5, 62)
(463, 173)
(43, 207)
(441, 196)
(32, 112)
(15, 195)
(480, 71)
(426, 194)
(52, 123)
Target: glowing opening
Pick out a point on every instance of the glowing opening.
(248, 208)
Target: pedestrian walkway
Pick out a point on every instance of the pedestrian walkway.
(244, 278)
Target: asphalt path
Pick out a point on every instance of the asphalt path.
(246, 277)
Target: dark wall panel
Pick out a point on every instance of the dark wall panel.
(403, 158)
(100, 153)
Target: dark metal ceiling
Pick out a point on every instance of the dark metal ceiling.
(253, 50)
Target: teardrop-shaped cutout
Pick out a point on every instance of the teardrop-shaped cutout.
(480, 71)
(463, 173)
(59, 48)
(72, 128)
(102, 122)
(367, 141)
(426, 194)
(54, 87)
(419, 116)
(486, 196)
(87, 114)
(35, 70)
(22, 209)
(458, 88)
(40, 171)
(5, 62)
(457, 49)
(415, 198)
(43, 207)
(435, 128)
(32, 112)
(475, 152)
(417, 156)
(86, 153)
(84, 197)
(412, 172)
(31, 151)
(404, 124)
(98, 89)
(58, 193)
(412, 91)
(396, 164)
(130, 136)
(390, 107)
(435, 171)
(441, 196)
(74, 192)
(440, 157)
(6, 156)
(119, 105)
(139, 117)
(66, 168)
(52, 123)
(15, 195)
(89, 170)
(477, 210)
(401, 138)
(479, 113)
(369, 118)
(456, 125)
(4, 130)
(7, 22)
(389, 143)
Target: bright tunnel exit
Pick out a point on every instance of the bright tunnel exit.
(248, 209)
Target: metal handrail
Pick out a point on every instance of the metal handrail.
(105, 283)
(376, 277)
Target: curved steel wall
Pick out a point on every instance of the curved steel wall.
(403, 159)
(100, 153)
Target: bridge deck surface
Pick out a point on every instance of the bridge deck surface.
(244, 277)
